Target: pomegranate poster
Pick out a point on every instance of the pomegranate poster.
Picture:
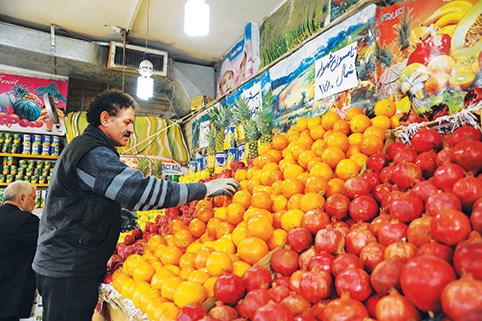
(429, 55)
(22, 106)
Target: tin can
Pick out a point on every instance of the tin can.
(2, 137)
(45, 149)
(17, 138)
(21, 171)
(19, 177)
(232, 154)
(192, 167)
(241, 154)
(16, 148)
(55, 140)
(8, 138)
(27, 138)
(229, 137)
(39, 164)
(221, 159)
(37, 138)
(46, 139)
(54, 150)
(26, 148)
(13, 169)
(6, 147)
(202, 163)
(2, 178)
(10, 160)
(34, 179)
(42, 180)
(30, 163)
(10, 178)
(211, 161)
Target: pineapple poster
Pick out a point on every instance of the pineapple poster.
(429, 55)
(22, 108)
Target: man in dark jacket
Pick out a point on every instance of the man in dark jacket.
(81, 220)
(18, 240)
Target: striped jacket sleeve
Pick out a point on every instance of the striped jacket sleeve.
(101, 171)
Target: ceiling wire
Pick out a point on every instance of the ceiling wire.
(147, 29)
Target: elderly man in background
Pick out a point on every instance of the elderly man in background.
(18, 241)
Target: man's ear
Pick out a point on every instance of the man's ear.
(104, 118)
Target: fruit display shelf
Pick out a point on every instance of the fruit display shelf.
(28, 156)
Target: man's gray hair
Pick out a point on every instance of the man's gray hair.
(16, 189)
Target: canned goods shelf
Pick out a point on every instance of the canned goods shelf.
(36, 185)
(28, 156)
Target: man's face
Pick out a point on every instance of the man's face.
(119, 127)
(28, 201)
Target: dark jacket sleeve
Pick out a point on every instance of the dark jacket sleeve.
(28, 230)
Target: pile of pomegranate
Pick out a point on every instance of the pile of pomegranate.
(402, 242)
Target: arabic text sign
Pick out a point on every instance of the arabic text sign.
(336, 72)
(253, 97)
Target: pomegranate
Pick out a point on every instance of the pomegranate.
(372, 179)
(476, 219)
(253, 301)
(406, 154)
(468, 189)
(377, 161)
(229, 288)
(363, 208)
(306, 316)
(406, 174)
(468, 256)
(463, 133)
(424, 189)
(223, 313)
(395, 307)
(337, 206)
(418, 232)
(381, 191)
(427, 161)
(392, 232)
(315, 220)
(296, 303)
(191, 312)
(330, 240)
(321, 262)
(426, 139)
(299, 239)
(257, 277)
(468, 154)
(422, 280)
(305, 258)
(462, 299)
(371, 304)
(344, 309)
(450, 227)
(358, 238)
(443, 157)
(436, 249)
(315, 285)
(278, 292)
(285, 261)
(354, 281)
(378, 222)
(295, 281)
(403, 251)
(446, 175)
(386, 275)
(344, 262)
(405, 208)
(394, 147)
(440, 200)
(273, 312)
(371, 255)
(390, 197)
(356, 186)
(385, 174)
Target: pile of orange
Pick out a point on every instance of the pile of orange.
(291, 176)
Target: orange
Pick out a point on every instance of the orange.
(317, 132)
(263, 148)
(205, 203)
(329, 118)
(301, 124)
(243, 198)
(240, 267)
(297, 149)
(273, 180)
(169, 239)
(185, 272)
(259, 227)
(280, 141)
(305, 139)
(316, 184)
(275, 155)
(313, 162)
(294, 201)
(194, 247)
(176, 225)
(305, 157)
(158, 252)
(252, 249)
(265, 159)
(291, 219)
(131, 263)
(311, 201)
(313, 121)
(200, 276)
(337, 139)
(153, 306)
(146, 297)
(218, 263)
(209, 285)
(169, 312)
(303, 177)
(240, 175)
(169, 287)
(280, 202)
(322, 170)
(353, 149)
(213, 225)
(359, 123)
(270, 167)
(277, 218)
(291, 186)
(222, 229)
(196, 227)
(261, 200)
(182, 238)
(371, 145)
(278, 238)
(239, 233)
(171, 255)
(143, 272)
(335, 185)
(359, 159)
(189, 292)
(283, 164)
(205, 214)
(127, 288)
(154, 242)
(234, 213)
(385, 107)
(374, 131)
(202, 257)
(318, 147)
(382, 122)
(395, 121)
(346, 169)
(187, 260)
(225, 244)
(332, 155)
(292, 134)
(342, 126)
(174, 268)
(139, 288)
(206, 237)
(352, 112)
(355, 138)
(292, 170)
(160, 277)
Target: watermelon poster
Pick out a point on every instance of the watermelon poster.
(22, 106)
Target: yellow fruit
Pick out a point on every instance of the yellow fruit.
(355, 138)
(352, 112)
(218, 263)
(322, 170)
(332, 155)
(359, 123)
(337, 139)
(359, 158)
(346, 169)
(169, 287)
(301, 124)
(381, 121)
(278, 238)
(209, 285)
(375, 131)
(189, 292)
(252, 249)
(291, 219)
(313, 121)
(385, 107)
(395, 121)
(328, 119)
(240, 267)
(200, 276)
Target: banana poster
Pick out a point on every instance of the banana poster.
(429, 55)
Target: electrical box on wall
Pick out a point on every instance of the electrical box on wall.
(133, 57)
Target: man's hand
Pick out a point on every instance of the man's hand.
(221, 186)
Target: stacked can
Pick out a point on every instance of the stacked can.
(27, 144)
(55, 146)
(46, 140)
(36, 145)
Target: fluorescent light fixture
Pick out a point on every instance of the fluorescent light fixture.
(196, 18)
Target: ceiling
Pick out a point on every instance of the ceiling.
(87, 19)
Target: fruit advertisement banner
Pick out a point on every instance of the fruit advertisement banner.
(22, 104)
(429, 55)
(256, 93)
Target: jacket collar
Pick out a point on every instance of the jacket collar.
(99, 135)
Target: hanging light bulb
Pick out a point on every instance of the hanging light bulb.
(196, 18)
(145, 84)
